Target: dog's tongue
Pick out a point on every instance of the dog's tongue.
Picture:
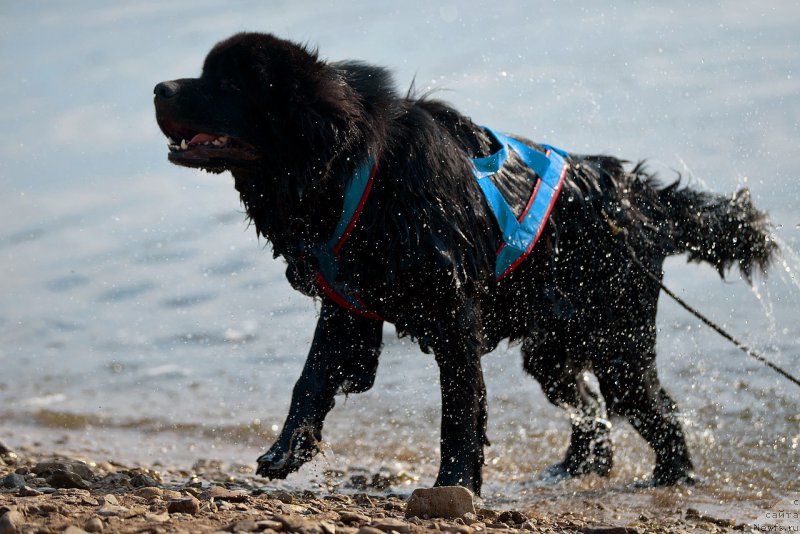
(202, 138)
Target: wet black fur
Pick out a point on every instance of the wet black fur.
(422, 255)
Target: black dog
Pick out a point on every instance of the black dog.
(418, 242)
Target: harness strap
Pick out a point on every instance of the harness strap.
(355, 197)
(520, 234)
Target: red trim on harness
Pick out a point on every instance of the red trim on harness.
(342, 302)
(541, 228)
(526, 210)
(358, 307)
(359, 209)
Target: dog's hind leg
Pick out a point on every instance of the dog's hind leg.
(630, 386)
(343, 359)
(546, 358)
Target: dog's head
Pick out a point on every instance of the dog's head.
(260, 100)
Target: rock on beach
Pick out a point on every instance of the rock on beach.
(443, 501)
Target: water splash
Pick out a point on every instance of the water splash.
(767, 306)
(687, 171)
(789, 260)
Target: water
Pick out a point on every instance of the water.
(141, 318)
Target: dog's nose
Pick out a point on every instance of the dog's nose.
(166, 89)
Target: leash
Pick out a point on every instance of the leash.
(718, 329)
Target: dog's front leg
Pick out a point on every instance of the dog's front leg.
(343, 359)
(463, 417)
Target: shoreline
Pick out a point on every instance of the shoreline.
(45, 492)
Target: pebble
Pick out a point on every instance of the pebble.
(74, 492)
(300, 525)
(149, 493)
(470, 518)
(185, 505)
(13, 480)
(172, 494)
(72, 529)
(93, 524)
(487, 514)
(265, 524)
(389, 525)
(157, 518)
(119, 480)
(348, 517)
(11, 522)
(61, 478)
(362, 499)
(338, 498)
(223, 494)
(283, 496)
(192, 490)
(442, 501)
(110, 499)
(142, 480)
(27, 491)
(512, 517)
(394, 506)
(79, 468)
(108, 510)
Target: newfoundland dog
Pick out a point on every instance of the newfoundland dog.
(401, 209)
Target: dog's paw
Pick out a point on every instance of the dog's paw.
(554, 474)
(569, 468)
(674, 478)
(282, 459)
(276, 465)
(674, 472)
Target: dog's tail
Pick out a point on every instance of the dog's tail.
(719, 230)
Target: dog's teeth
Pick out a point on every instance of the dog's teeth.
(184, 146)
(170, 140)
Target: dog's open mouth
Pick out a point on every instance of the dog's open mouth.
(208, 150)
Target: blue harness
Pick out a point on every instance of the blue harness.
(519, 233)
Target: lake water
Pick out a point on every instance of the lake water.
(141, 319)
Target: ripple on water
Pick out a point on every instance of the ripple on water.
(187, 301)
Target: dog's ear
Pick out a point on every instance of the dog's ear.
(308, 96)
